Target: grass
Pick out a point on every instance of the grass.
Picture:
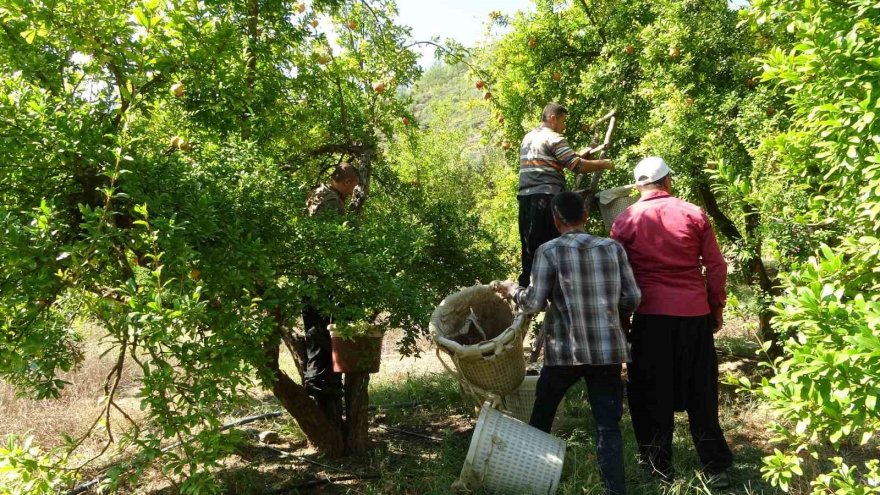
(77, 408)
(422, 428)
(408, 465)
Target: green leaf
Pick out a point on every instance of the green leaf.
(29, 35)
(142, 18)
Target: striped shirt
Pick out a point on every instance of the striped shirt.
(543, 156)
(588, 283)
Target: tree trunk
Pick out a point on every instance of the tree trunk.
(357, 401)
(324, 433)
(321, 419)
(768, 285)
(725, 225)
(754, 266)
(296, 344)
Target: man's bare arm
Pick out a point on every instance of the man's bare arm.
(584, 165)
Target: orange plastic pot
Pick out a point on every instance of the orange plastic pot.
(358, 354)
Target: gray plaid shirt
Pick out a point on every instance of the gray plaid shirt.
(587, 282)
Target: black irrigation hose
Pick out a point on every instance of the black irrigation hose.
(325, 481)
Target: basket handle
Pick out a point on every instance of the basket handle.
(526, 319)
(453, 372)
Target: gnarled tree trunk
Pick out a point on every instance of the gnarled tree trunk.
(322, 431)
(321, 420)
(754, 265)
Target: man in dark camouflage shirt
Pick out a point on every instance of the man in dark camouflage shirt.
(320, 380)
(329, 197)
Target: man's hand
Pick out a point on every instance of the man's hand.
(504, 289)
(718, 317)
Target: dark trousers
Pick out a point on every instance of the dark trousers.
(535, 228)
(674, 368)
(605, 392)
(319, 377)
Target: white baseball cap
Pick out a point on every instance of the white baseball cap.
(650, 169)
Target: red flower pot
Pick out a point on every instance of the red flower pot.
(357, 354)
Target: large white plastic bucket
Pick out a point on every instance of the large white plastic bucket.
(509, 457)
(519, 403)
(613, 202)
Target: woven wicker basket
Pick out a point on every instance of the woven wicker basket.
(492, 366)
(520, 402)
(613, 202)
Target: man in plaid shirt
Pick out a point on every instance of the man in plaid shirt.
(587, 287)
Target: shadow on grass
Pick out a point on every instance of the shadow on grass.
(421, 430)
(581, 473)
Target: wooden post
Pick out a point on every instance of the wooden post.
(357, 402)
(594, 183)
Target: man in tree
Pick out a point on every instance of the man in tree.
(544, 155)
(674, 366)
(320, 380)
(589, 286)
(331, 197)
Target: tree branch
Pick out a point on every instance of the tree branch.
(589, 13)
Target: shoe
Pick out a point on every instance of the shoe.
(718, 480)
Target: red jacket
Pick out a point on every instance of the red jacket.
(669, 241)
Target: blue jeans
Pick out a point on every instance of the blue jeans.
(605, 392)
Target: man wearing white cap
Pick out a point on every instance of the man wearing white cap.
(674, 366)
